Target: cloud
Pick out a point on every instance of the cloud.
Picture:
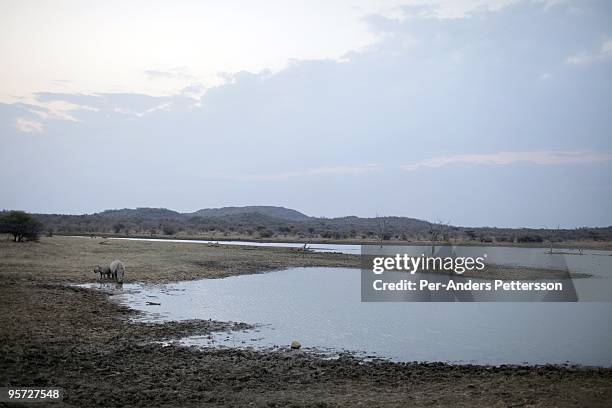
(345, 170)
(173, 73)
(57, 109)
(505, 158)
(194, 91)
(604, 53)
(548, 4)
(61, 81)
(50, 106)
(452, 9)
(162, 107)
(28, 126)
(545, 76)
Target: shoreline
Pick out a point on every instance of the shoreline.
(572, 245)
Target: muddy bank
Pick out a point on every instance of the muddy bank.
(51, 335)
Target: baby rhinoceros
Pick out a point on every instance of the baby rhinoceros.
(104, 271)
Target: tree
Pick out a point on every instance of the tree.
(471, 234)
(118, 227)
(437, 230)
(169, 229)
(266, 233)
(383, 235)
(20, 225)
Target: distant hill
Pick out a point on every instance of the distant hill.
(270, 211)
(143, 213)
(280, 213)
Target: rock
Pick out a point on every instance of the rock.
(295, 345)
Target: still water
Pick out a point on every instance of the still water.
(321, 308)
(594, 262)
(340, 248)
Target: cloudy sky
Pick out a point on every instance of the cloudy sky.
(474, 112)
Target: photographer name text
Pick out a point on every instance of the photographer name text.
(451, 285)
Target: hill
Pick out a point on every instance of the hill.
(270, 211)
(142, 213)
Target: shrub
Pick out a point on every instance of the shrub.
(169, 230)
(530, 238)
(118, 227)
(266, 233)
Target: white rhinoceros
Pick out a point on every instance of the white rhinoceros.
(117, 270)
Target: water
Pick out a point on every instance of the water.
(321, 308)
(339, 248)
(590, 261)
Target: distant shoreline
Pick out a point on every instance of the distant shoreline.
(572, 245)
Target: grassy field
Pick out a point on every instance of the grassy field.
(72, 259)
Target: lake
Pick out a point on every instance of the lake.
(592, 261)
(340, 248)
(321, 308)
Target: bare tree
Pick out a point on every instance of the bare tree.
(551, 250)
(382, 229)
(437, 231)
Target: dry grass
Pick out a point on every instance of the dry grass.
(72, 259)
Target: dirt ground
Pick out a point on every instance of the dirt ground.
(55, 335)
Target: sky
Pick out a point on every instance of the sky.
(475, 113)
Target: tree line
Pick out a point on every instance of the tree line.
(259, 226)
